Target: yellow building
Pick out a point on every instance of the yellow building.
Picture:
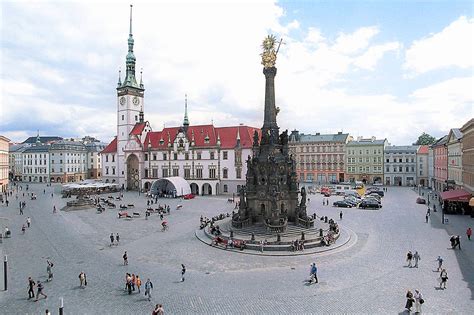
(4, 166)
(365, 160)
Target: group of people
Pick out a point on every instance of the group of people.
(114, 240)
(133, 281)
(416, 298)
(455, 241)
(297, 245)
(412, 259)
(313, 274)
(39, 289)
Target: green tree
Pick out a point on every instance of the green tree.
(425, 139)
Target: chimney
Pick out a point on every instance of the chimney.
(359, 138)
(317, 133)
(339, 132)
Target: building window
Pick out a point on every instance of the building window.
(212, 155)
(187, 173)
(146, 173)
(212, 173)
(136, 118)
(224, 155)
(164, 172)
(400, 169)
(199, 173)
(175, 156)
(225, 188)
(154, 172)
(113, 170)
(224, 173)
(164, 157)
(175, 171)
(123, 117)
(146, 158)
(186, 156)
(198, 155)
(154, 156)
(113, 157)
(238, 172)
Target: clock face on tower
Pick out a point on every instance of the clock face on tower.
(136, 100)
(122, 100)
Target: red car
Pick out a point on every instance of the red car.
(188, 196)
(420, 201)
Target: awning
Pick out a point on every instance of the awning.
(456, 195)
(175, 185)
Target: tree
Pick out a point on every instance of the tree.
(425, 139)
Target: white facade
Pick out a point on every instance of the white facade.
(16, 161)
(36, 167)
(422, 166)
(400, 165)
(431, 179)
(68, 161)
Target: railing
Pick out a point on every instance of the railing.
(238, 223)
(280, 228)
(307, 223)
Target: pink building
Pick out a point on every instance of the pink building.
(440, 156)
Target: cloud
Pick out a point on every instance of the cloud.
(374, 54)
(452, 47)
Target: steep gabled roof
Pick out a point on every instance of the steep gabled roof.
(48, 139)
(423, 149)
(138, 129)
(228, 136)
(111, 147)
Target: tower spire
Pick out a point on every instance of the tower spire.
(131, 6)
(186, 120)
(119, 83)
(130, 79)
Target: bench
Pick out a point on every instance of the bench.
(130, 205)
(123, 214)
(136, 214)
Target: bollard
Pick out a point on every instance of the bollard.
(320, 232)
(61, 306)
(253, 237)
(278, 237)
(231, 234)
(302, 236)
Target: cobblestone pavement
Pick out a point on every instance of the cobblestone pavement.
(368, 277)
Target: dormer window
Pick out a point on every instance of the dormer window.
(181, 143)
(206, 139)
(162, 141)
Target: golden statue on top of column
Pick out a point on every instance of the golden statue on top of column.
(269, 53)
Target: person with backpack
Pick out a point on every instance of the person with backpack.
(125, 258)
(148, 288)
(39, 291)
(49, 270)
(82, 279)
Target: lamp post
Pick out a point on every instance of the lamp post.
(61, 306)
(5, 273)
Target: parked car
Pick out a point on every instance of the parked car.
(352, 202)
(370, 198)
(342, 203)
(374, 195)
(188, 196)
(369, 204)
(378, 192)
(420, 200)
(326, 194)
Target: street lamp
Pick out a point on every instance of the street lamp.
(5, 268)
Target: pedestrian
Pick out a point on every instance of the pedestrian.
(31, 288)
(340, 215)
(409, 258)
(148, 288)
(410, 300)
(158, 310)
(51, 195)
(54, 209)
(183, 271)
(313, 273)
(416, 257)
(440, 262)
(428, 212)
(457, 241)
(111, 239)
(125, 258)
(39, 290)
(468, 232)
(49, 270)
(426, 218)
(21, 208)
(82, 279)
(324, 202)
(23, 229)
(418, 301)
(452, 240)
(443, 279)
(261, 246)
(138, 282)
(7, 202)
(134, 279)
(117, 238)
(28, 221)
(47, 312)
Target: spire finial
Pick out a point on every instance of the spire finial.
(119, 83)
(186, 120)
(141, 78)
(131, 6)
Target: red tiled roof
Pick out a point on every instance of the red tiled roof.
(228, 136)
(423, 149)
(111, 147)
(138, 129)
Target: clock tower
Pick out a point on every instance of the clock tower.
(130, 105)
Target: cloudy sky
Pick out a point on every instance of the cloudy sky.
(391, 69)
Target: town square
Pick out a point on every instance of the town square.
(197, 184)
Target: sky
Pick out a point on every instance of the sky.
(389, 69)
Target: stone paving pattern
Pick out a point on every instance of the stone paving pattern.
(367, 277)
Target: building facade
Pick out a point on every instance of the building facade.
(319, 158)
(468, 155)
(431, 178)
(365, 160)
(4, 163)
(454, 144)
(210, 158)
(422, 166)
(36, 164)
(93, 160)
(400, 165)
(68, 161)
(16, 161)
(440, 163)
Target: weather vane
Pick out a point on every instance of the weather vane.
(269, 53)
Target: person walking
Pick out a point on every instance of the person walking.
(117, 238)
(31, 288)
(469, 233)
(440, 262)
(313, 273)
(39, 291)
(183, 271)
(418, 301)
(158, 310)
(444, 278)
(54, 209)
(426, 218)
(410, 300)
(21, 208)
(416, 258)
(82, 279)
(148, 288)
(409, 259)
(49, 270)
(23, 229)
(340, 215)
(125, 258)
(111, 239)
(138, 282)
(134, 279)
(28, 221)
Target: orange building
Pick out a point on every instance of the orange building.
(4, 148)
